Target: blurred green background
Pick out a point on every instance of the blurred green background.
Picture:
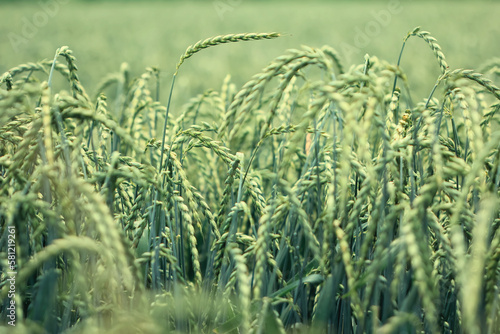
(103, 34)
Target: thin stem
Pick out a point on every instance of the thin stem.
(166, 122)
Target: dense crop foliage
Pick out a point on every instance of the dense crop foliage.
(315, 198)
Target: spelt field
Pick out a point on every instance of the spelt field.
(262, 180)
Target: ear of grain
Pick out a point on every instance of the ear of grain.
(222, 39)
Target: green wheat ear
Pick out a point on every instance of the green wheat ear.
(65, 52)
(221, 39)
(433, 44)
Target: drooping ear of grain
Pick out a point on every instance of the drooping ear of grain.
(222, 39)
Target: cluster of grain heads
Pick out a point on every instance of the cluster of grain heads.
(298, 203)
(71, 257)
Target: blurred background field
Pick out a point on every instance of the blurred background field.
(105, 34)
